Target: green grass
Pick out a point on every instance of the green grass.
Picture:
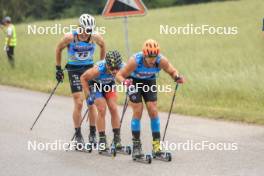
(224, 73)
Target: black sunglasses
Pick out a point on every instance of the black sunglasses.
(88, 31)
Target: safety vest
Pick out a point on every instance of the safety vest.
(13, 38)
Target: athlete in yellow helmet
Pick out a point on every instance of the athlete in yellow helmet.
(140, 72)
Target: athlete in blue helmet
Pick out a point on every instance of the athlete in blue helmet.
(103, 90)
(142, 69)
(81, 46)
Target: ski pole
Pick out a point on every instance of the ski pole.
(124, 110)
(80, 125)
(173, 98)
(52, 93)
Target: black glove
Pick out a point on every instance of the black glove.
(179, 79)
(59, 74)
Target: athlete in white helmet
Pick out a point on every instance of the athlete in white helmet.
(87, 21)
(81, 45)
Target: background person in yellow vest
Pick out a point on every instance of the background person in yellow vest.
(10, 40)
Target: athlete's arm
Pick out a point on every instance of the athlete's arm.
(168, 68)
(99, 40)
(87, 76)
(66, 40)
(127, 70)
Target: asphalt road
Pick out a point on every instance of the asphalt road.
(19, 107)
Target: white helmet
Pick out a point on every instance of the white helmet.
(7, 19)
(87, 21)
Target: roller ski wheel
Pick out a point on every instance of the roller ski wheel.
(148, 158)
(162, 156)
(142, 158)
(108, 152)
(126, 150)
(137, 154)
(86, 150)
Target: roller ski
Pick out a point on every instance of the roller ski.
(126, 150)
(137, 154)
(157, 154)
(79, 143)
(103, 149)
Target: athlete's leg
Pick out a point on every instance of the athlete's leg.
(137, 107)
(76, 88)
(155, 126)
(135, 128)
(78, 103)
(155, 121)
(111, 99)
(150, 98)
(135, 122)
(92, 114)
(101, 107)
(92, 117)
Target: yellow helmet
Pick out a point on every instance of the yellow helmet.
(151, 48)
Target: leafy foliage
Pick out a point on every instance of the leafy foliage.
(21, 10)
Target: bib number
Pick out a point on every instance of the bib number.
(82, 55)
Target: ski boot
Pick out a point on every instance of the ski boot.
(116, 143)
(103, 149)
(92, 140)
(80, 144)
(158, 154)
(137, 154)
